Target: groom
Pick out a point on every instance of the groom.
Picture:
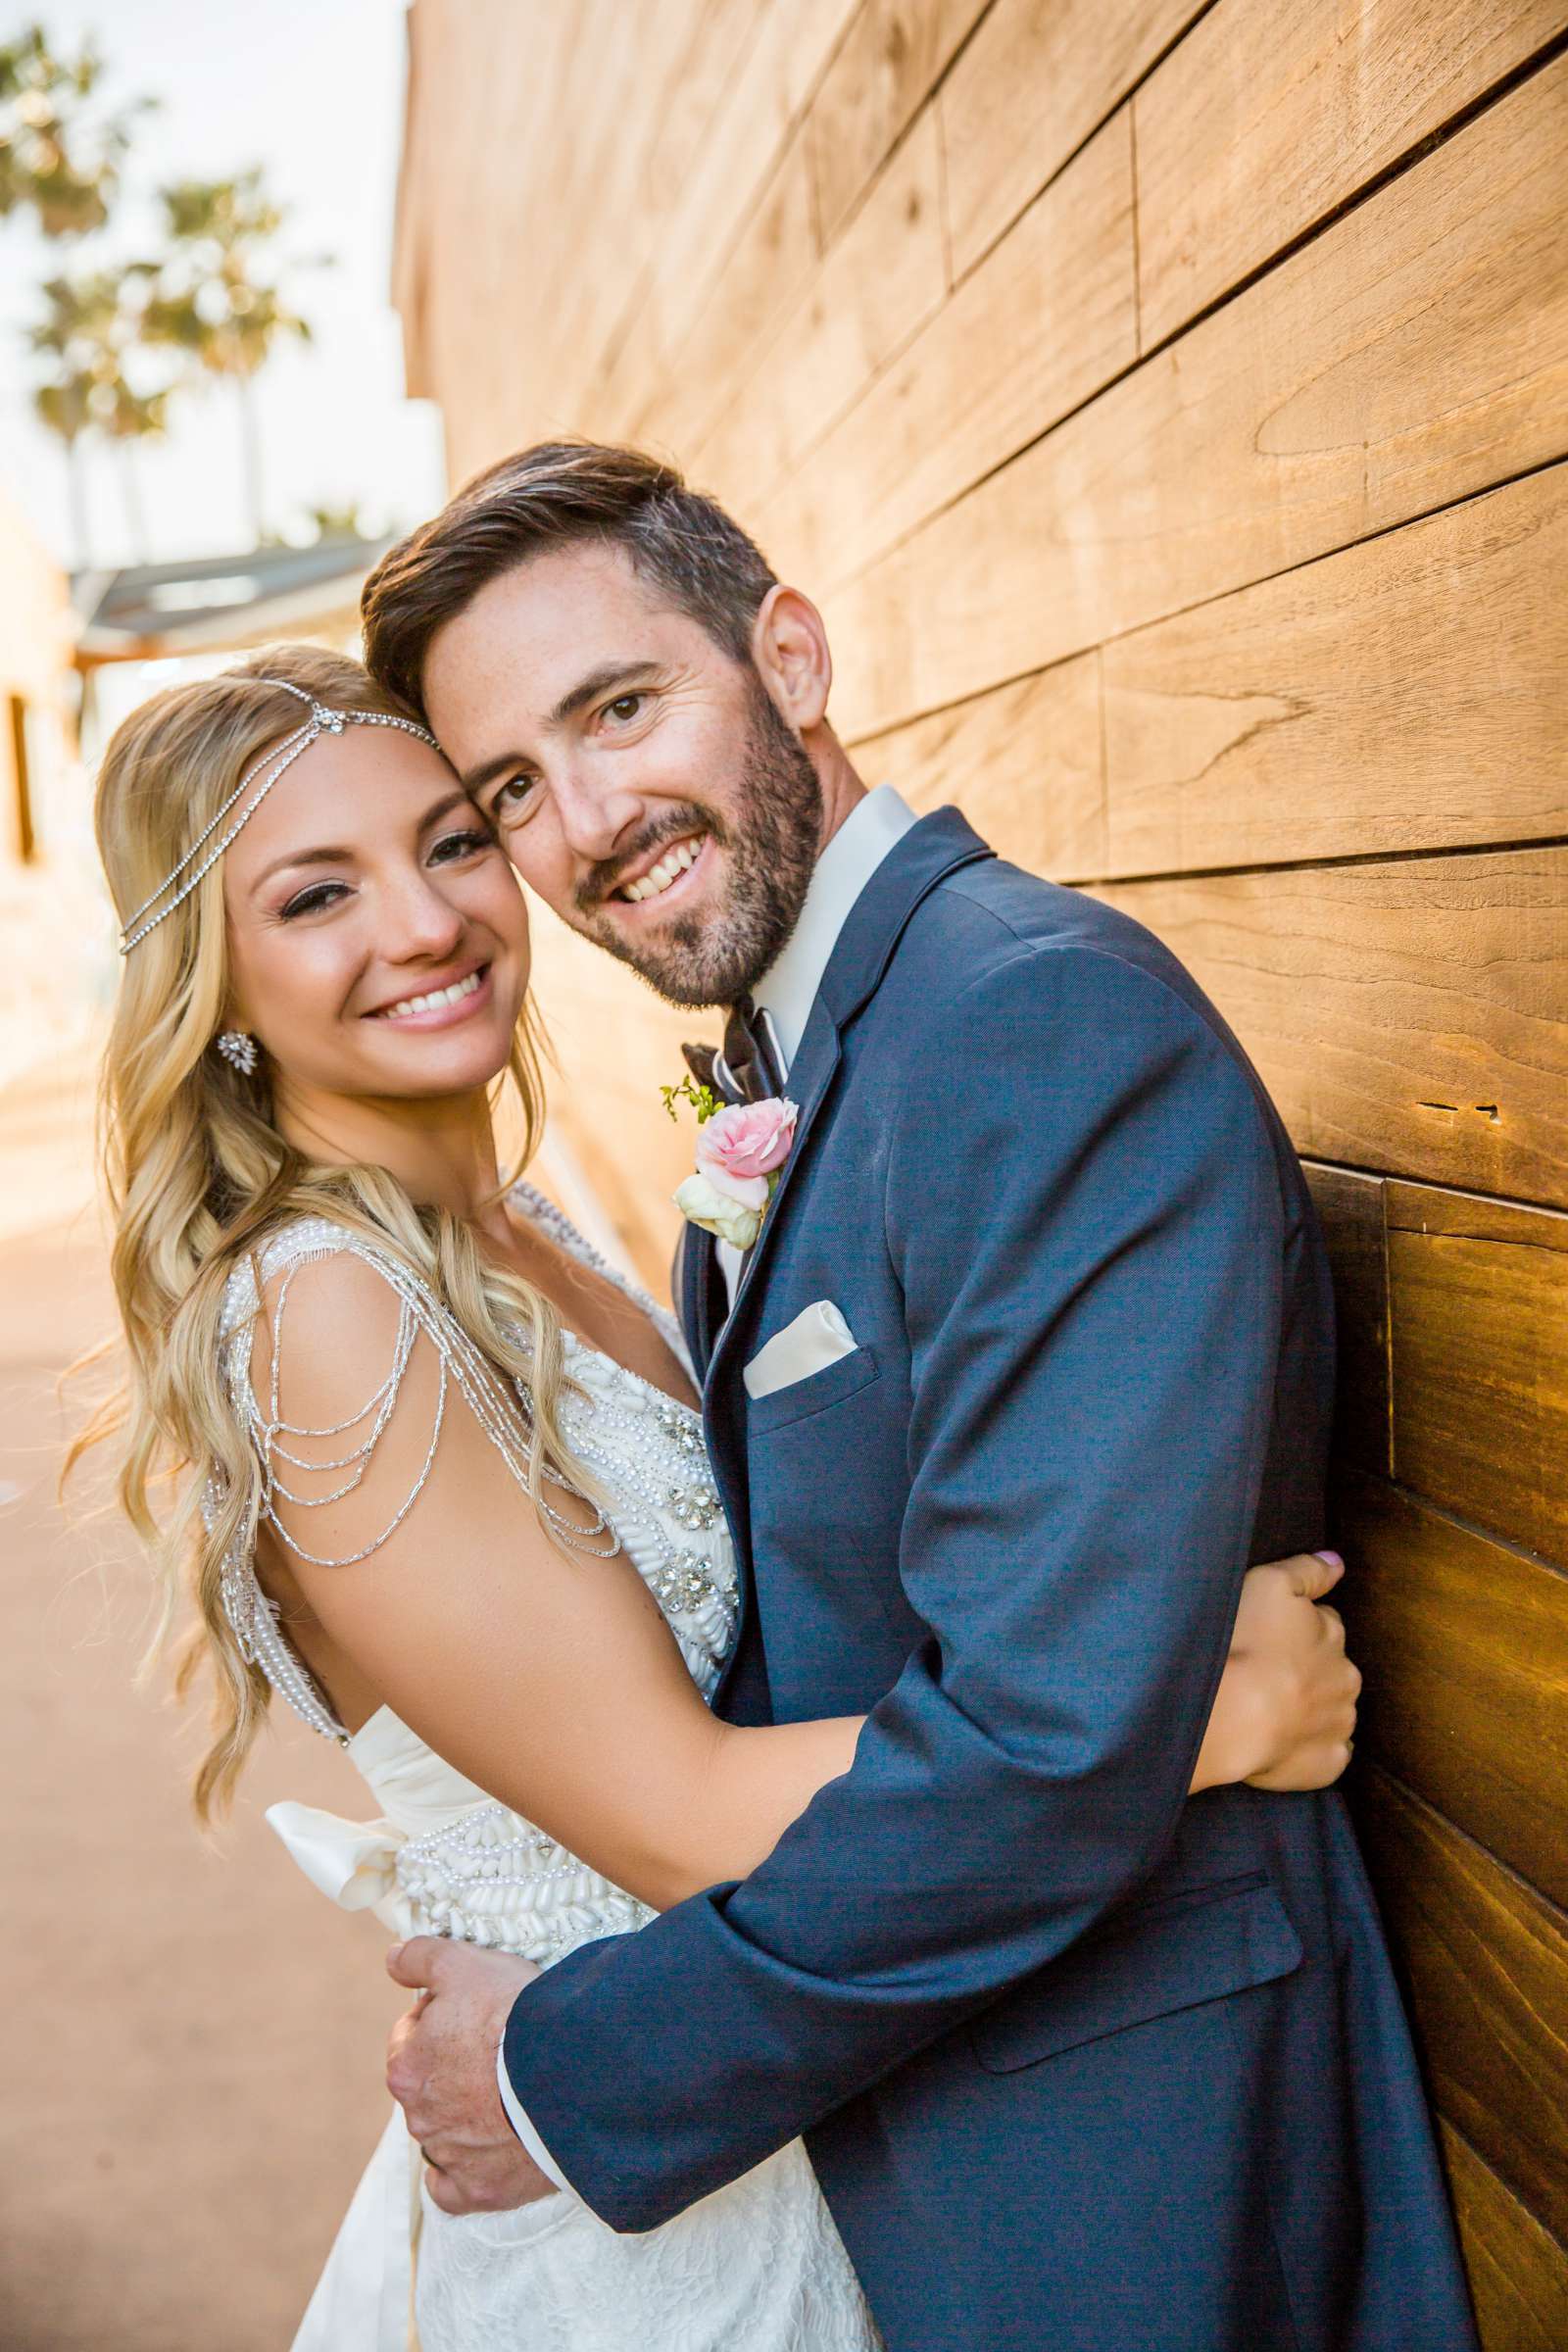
(1080, 2062)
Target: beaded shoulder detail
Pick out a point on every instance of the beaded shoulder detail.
(499, 1407)
(644, 1449)
(341, 1452)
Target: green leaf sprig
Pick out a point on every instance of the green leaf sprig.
(702, 1099)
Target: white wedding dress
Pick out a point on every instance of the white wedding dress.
(758, 2264)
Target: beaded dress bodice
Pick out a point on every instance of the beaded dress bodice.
(444, 1858)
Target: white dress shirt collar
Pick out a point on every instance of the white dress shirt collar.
(788, 989)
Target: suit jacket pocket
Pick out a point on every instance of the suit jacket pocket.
(818, 1390)
(1151, 1961)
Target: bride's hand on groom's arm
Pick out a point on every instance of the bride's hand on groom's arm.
(441, 2069)
(1284, 1714)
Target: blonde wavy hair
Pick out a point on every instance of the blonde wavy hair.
(198, 1175)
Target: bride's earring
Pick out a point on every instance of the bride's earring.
(239, 1050)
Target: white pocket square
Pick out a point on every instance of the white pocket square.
(818, 1337)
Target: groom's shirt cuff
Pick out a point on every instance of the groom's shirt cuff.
(516, 2117)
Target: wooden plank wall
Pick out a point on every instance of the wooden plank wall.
(1168, 405)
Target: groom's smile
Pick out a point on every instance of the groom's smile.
(662, 878)
(671, 866)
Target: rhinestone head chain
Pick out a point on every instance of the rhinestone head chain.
(320, 719)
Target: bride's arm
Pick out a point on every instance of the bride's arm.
(1284, 1715)
(551, 1680)
(548, 1676)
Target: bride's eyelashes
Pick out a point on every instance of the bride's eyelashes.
(466, 844)
(471, 841)
(320, 894)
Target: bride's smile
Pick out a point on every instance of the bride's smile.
(442, 1003)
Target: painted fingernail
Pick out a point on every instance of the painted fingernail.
(1330, 1559)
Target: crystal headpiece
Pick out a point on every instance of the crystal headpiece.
(320, 719)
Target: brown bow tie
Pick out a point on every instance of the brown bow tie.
(749, 1067)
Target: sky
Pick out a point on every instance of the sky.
(312, 90)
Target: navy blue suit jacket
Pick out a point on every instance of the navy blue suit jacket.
(1081, 2062)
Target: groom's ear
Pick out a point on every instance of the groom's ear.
(790, 648)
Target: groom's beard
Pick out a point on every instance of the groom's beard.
(714, 957)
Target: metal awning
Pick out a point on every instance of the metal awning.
(149, 611)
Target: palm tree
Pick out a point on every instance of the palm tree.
(212, 304)
(59, 155)
(90, 336)
(128, 417)
(338, 522)
(62, 407)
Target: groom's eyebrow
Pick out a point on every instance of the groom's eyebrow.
(609, 676)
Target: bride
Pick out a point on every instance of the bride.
(439, 1473)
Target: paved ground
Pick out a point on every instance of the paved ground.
(46, 1139)
(192, 2040)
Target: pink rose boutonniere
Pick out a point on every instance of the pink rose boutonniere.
(740, 1151)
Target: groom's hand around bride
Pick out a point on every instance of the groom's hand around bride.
(441, 2069)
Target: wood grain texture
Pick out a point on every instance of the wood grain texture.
(721, 183)
(1024, 761)
(774, 258)
(883, 279)
(1417, 1208)
(1411, 1017)
(890, 57)
(597, 138)
(1405, 694)
(1264, 119)
(702, 59)
(1029, 89)
(1488, 1967)
(1464, 1644)
(1413, 354)
(1350, 1207)
(1245, 733)
(570, 111)
(1042, 325)
(1479, 1351)
(736, 100)
(1518, 2270)
(451, 64)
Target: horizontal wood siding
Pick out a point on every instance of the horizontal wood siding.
(1488, 1961)
(1167, 402)
(1404, 1016)
(1516, 2270)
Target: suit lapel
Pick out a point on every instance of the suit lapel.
(811, 1075)
(934, 847)
(696, 1286)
